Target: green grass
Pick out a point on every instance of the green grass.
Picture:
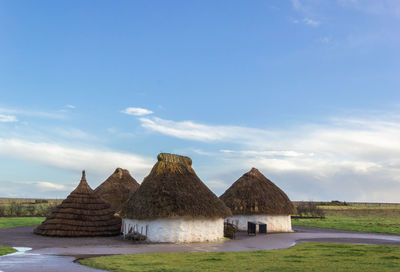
(361, 207)
(359, 223)
(6, 250)
(302, 257)
(359, 218)
(9, 222)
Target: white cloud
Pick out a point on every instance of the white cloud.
(33, 113)
(99, 162)
(136, 111)
(7, 118)
(297, 4)
(72, 133)
(325, 40)
(69, 106)
(316, 160)
(311, 22)
(190, 130)
(48, 186)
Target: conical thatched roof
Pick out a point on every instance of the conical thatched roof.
(117, 188)
(172, 189)
(253, 193)
(82, 213)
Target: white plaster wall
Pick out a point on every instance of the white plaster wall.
(275, 223)
(178, 230)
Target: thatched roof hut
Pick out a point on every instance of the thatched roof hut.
(173, 189)
(82, 213)
(172, 195)
(253, 197)
(117, 188)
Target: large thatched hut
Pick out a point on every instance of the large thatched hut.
(82, 213)
(175, 205)
(255, 198)
(117, 188)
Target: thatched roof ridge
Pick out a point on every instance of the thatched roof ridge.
(82, 213)
(253, 193)
(117, 188)
(172, 189)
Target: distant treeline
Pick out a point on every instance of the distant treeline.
(27, 207)
(6, 200)
(345, 203)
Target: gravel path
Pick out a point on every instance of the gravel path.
(58, 254)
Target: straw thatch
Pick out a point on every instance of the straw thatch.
(172, 189)
(82, 213)
(253, 193)
(117, 188)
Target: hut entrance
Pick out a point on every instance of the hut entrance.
(230, 228)
(252, 228)
(135, 233)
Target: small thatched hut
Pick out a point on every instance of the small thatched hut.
(82, 213)
(255, 198)
(117, 188)
(175, 205)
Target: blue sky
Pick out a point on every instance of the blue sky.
(307, 91)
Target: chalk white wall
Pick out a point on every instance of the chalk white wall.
(275, 223)
(178, 230)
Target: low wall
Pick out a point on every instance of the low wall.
(275, 223)
(178, 230)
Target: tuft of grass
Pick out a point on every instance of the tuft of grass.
(6, 250)
(302, 257)
(9, 222)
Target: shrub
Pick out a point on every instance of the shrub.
(2, 210)
(15, 209)
(310, 209)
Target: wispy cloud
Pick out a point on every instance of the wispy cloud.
(311, 160)
(136, 111)
(69, 106)
(100, 162)
(33, 113)
(311, 22)
(190, 130)
(7, 118)
(72, 133)
(49, 186)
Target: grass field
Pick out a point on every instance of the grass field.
(302, 257)
(366, 218)
(6, 250)
(9, 222)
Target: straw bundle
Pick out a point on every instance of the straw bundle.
(82, 213)
(253, 193)
(172, 189)
(117, 188)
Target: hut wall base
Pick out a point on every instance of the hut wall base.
(179, 230)
(275, 223)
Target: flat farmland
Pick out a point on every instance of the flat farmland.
(363, 217)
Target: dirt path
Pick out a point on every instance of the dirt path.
(57, 254)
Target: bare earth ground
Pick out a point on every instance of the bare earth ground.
(58, 254)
